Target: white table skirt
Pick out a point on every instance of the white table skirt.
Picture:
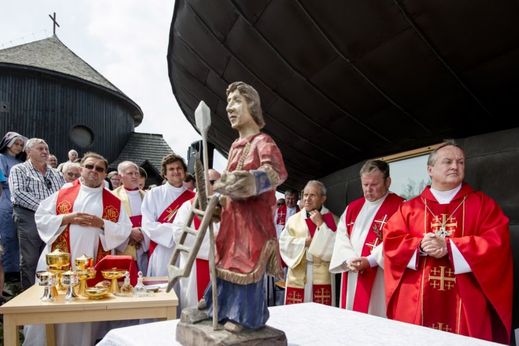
(310, 324)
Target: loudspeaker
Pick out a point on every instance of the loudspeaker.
(193, 149)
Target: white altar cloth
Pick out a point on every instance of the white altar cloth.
(310, 324)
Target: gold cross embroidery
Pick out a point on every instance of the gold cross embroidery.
(444, 281)
(171, 214)
(441, 326)
(294, 298)
(322, 296)
(445, 227)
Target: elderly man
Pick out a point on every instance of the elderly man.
(72, 157)
(192, 288)
(159, 210)
(447, 256)
(357, 252)
(30, 183)
(71, 171)
(52, 161)
(131, 197)
(306, 245)
(81, 218)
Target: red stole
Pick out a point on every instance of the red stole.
(202, 268)
(281, 214)
(65, 204)
(366, 278)
(328, 220)
(321, 294)
(136, 220)
(168, 215)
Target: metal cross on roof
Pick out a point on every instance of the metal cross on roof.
(55, 23)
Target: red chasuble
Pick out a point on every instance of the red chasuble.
(168, 215)
(477, 303)
(366, 278)
(64, 205)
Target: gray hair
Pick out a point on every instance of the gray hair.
(32, 142)
(433, 156)
(372, 165)
(125, 164)
(318, 184)
(68, 165)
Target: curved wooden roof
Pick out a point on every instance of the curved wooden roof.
(344, 81)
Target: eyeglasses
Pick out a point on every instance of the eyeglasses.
(73, 175)
(48, 183)
(98, 169)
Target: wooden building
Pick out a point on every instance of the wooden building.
(47, 91)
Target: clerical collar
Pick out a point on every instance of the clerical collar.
(127, 189)
(445, 197)
(378, 201)
(308, 213)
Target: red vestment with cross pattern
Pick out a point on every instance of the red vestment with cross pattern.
(477, 303)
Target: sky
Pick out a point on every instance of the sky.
(124, 40)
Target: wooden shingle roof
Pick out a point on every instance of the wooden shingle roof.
(54, 56)
(142, 147)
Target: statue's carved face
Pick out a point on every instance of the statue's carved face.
(238, 111)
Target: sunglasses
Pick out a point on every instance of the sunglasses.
(73, 175)
(48, 183)
(212, 181)
(98, 169)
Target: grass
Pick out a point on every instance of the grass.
(11, 290)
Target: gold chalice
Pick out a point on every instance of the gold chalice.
(47, 280)
(84, 275)
(58, 262)
(85, 271)
(69, 279)
(113, 274)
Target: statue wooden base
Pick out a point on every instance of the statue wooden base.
(196, 328)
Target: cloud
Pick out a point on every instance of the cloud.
(124, 40)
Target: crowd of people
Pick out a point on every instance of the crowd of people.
(429, 261)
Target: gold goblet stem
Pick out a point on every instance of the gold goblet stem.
(115, 286)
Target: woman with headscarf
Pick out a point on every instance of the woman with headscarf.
(11, 153)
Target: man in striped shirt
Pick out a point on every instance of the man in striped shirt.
(30, 183)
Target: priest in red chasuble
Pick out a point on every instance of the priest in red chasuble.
(357, 253)
(246, 245)
(448, 263)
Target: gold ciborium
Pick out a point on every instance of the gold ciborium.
(85, 271)
(113, 274)
(69, 279)
(47, 280)
(83, 262)
(58, 262)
